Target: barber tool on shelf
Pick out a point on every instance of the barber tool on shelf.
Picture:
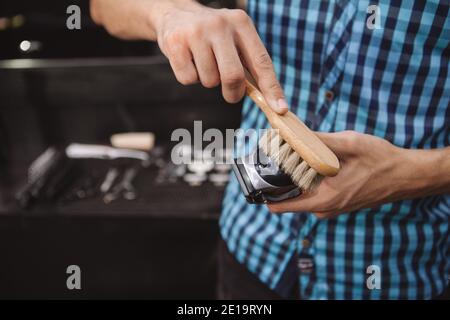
(85, 187)
(198, 167)
(124, 188)
(111, 175)
(39, 173)
(77, 171)
(221, 174)
(93, 151)
(134, 140)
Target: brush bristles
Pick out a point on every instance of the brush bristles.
(305, 177)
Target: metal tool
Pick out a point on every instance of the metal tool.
(219, 179)
(86, 187)
(83, 151)
(110, 177)
(39, 173)
(195, 180)
(125, 188)
(262, 180)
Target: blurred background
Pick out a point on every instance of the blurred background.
(137, 225)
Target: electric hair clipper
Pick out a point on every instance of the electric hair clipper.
(261, 180)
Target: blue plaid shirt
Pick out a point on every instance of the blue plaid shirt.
(338, 74)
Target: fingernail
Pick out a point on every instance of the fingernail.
(282, 105)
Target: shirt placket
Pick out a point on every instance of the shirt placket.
(310, 286)
(334, 64)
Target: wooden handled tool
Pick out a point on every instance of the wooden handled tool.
(296, 134)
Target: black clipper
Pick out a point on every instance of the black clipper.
(261, 179)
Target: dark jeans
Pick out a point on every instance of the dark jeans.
(235, 282)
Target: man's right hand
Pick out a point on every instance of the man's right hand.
(202, 44)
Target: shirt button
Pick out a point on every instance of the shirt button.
(329, 95)
(306, 243)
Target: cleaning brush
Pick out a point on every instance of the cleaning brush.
(292, 146)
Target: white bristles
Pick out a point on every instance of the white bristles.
(263, 141)
(292, 162)
(274, 143)
(299, 171)
(283, 154)
(305, 177)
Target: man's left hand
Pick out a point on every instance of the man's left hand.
(373, 172)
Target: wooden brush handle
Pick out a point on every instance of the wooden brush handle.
(296, 134)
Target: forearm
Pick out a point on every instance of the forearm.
(427, 172)
(133, 20)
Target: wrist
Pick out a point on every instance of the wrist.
(160, 11)
(421, 172)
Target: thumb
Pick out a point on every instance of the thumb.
(336, 141)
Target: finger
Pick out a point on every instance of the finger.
(339, 142)
(231, 71)
(302, 203)
(326, 198)
(325, 215)
(181, 61)
(205, 63)
(260, 65)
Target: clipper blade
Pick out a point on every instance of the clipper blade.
(273, 145)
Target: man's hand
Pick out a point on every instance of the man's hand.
(202, 44)
(373, 172)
